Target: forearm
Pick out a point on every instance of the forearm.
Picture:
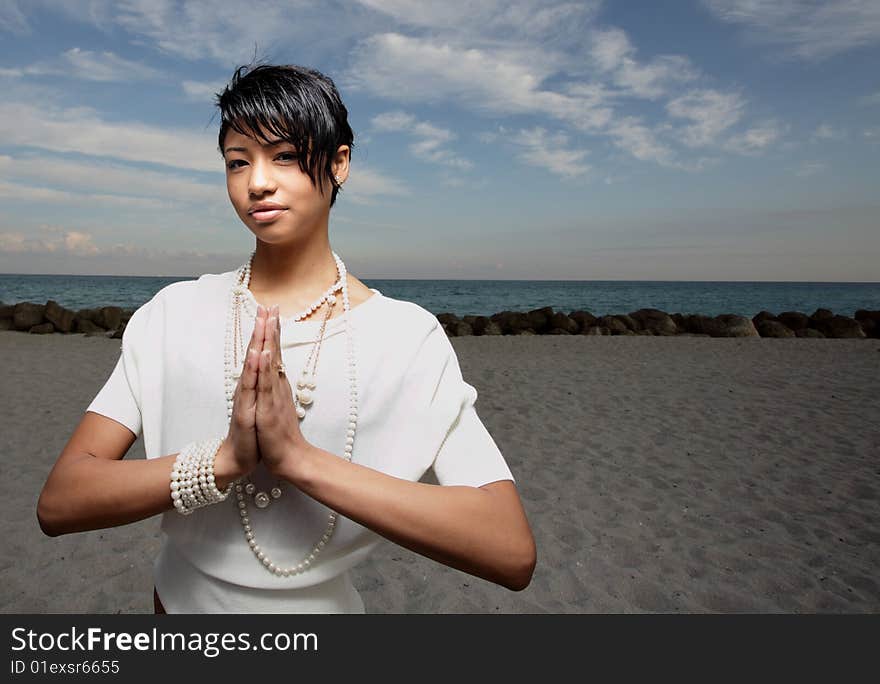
(459, 526)
(90, 493)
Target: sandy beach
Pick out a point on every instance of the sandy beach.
(660, 474)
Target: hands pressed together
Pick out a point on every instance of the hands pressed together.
(264, 425)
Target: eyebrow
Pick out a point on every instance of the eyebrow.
(273, 143)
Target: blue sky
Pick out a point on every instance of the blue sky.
(689, 140)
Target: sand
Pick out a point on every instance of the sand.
(659, 475)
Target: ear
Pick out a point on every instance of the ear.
(340, 162)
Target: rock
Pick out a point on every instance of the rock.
(109, 317)
(736, 326)
(42, 329)
(628, 321)
(870, 322)
(558, 331)
(482, 323)
(763, 316)
(612, 324)
(818, 317)
(88, 314)
(870, 327)
(653, 321)
(723, 325)
(461, 329)
(596, 330)
(60, 317)
(861, 315)
(27, 314)
(7, 311)
(584, 319)
(840, 327)
(699, 324)
(768, 328)
(100, 333)
(117, 334)
(6, 324)
(679, 320)
(808, 332)
(447, 318)
(511, 321)
(560, 321)
(539, 319)
(84, 325)
(525, 331)
(794, 320)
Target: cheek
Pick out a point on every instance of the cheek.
(237, 191)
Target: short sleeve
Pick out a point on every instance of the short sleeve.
(462, 452)
(120, 397)
(469, 455)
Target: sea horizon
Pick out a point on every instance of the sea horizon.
(487, 296)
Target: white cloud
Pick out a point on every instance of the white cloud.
(810, 29)
(711, 113)
(83, 130)
(872, 135)
(614, 54)
(17, 192)
(631, 135)
(103, 178)
(88, 66)
(755, 139)
(202, 91)
(52, 239)
(872, 99)
(407, 69)
(827, 132)
(551, 151)
(430, 139)
(365, 185)
(76, 251)
(556, 23)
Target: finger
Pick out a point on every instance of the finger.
(269, 338)
(264, 382)
(250, 371)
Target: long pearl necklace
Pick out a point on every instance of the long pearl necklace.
(233, 370)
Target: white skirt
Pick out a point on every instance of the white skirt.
(184, 588)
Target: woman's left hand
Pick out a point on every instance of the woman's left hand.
(278, 433)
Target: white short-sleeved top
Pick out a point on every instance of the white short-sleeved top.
(415, 412)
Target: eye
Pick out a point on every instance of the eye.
(233, 164)
(287, 156)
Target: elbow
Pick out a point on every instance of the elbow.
(520, 575)
(49, 523)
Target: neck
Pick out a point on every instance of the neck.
(306, 270)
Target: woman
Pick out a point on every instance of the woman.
(271, 489)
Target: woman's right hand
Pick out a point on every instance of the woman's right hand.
(239, 453)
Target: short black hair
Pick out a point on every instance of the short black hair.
(293, 103)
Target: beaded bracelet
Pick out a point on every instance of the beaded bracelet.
(192, 477)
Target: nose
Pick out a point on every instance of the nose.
(261, 180)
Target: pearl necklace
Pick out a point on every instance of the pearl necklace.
(233, 371)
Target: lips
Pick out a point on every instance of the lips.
(266, 211)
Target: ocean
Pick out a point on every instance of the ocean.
(485, 297)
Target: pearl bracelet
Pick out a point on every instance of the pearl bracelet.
(192, 477)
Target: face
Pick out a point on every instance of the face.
(269, 174)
